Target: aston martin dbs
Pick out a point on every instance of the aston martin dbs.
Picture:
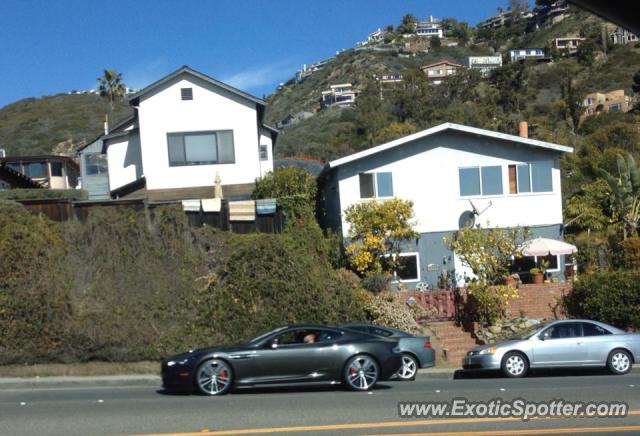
(287, 355)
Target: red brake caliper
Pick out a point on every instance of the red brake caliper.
(352, 371)
(223, 373)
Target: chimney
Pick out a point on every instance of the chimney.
(523, 129)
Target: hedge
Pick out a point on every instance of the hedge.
(43, 194)
(117, 288)
(612, 297)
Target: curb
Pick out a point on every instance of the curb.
(80, 381)
(437, 373)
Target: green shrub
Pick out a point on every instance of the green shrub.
(611, 297)
(43, 194)
(376, 283)
(389, 310)
(631, 252)
(294, 188)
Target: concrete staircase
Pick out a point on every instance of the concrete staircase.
(454, 339)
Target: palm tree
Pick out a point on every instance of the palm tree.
(111, 86)
(626, 193)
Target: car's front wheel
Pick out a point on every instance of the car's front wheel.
(361, 373)
(409, 368)
(514, 365)
(619, 362)
(213, 377)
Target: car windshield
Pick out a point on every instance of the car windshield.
(528, 332)
(264, 335)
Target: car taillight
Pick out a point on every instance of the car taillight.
(427, 344)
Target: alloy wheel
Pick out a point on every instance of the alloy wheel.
(409, 368)
(361, 373)
(213, 377)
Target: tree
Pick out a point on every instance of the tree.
(408, 24)
(435, 42)
(586, 52)
(572, 99)
(294, 188)
(488, 252)
(635, 86)
(111, 86)
(626, 193)
(377, 231)
(592, 208)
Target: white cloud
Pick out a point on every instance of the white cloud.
(259, 77)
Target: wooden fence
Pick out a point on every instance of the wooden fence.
(65, 210)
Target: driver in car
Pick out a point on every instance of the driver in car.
(309, 338)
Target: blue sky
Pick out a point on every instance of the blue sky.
(52, 46)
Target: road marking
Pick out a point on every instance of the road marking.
(565, 430)
(367, 425)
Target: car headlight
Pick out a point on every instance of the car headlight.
(490, 350)
(177, 362)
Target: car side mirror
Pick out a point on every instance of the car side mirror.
(544, 336)
(273, 344)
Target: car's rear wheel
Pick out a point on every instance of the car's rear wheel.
(409, 367)
(213, 377)
(619, 362)
(514, 365)
(361, 373)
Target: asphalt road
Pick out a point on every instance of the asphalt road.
(144, 409)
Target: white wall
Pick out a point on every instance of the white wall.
(123, 158)
(211, 109)
(431, 180)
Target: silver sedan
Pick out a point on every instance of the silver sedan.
(559, 344)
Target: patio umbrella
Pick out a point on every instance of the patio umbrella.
(217, 189)
(545, 247)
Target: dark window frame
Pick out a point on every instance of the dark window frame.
(263, 150)
(196, 133)
(374, 176)
(87, 165)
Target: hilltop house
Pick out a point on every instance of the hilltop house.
(485, 63)
(46, 171)
(429, 28)
(613, 101)
(456, 176)
(439, 71)
(622, 36)
(187, 128)
(568, 44)
(527, 54)
(341, 95)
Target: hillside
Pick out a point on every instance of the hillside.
(545, 94)
(39, 125)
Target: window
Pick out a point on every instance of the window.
(36, 169)
(480, 181)
(95, 163)
(186, 93)
(201, 148)
(563, 330)
(615, 107)
(534, 177)
(589, 329)
(541, 176)
(264, 152)
(56, 169)
(373, 185)
(406, 268)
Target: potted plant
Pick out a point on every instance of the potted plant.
(537, 276)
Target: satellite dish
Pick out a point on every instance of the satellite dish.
(467, 219)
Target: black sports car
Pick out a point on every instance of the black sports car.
(291, 354)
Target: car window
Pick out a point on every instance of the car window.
(381, 332)
(307, 336)
(563, 330)
(359, 328)
(589, 329)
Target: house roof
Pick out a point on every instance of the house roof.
(453, 127)
(40, 157)
(453, 64)
(120, 124)
(133, 99)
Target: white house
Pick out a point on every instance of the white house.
(485, 63)
(341, 95)
(430, 28)
(186, 129)
(521, 54)
(456, 176)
